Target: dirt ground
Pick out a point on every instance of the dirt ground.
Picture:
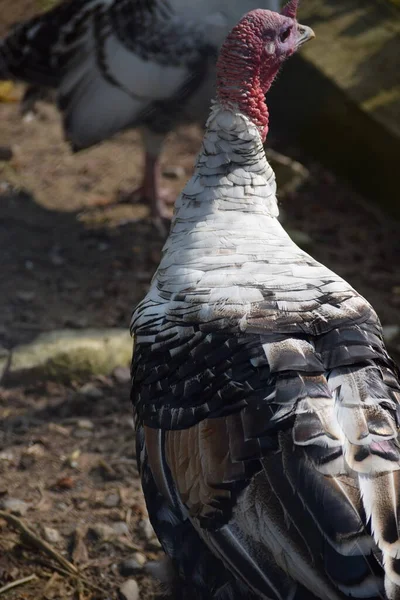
(71, 258)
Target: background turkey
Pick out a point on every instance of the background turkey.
(266, 403)
(124, 63)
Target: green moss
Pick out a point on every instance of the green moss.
(44, 5)
(70, 355)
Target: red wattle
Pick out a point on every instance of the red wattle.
(240, 69)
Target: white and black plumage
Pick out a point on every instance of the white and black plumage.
(266, 405)
(125, 63)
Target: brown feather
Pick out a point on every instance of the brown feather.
(199, 461)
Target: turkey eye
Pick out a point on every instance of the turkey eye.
(284, 36)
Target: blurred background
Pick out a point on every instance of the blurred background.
(73, 264)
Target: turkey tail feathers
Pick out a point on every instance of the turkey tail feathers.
(366, 408)
(342, 461)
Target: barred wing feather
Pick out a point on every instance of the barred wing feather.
(289, 420)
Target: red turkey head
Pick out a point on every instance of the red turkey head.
(252, 55)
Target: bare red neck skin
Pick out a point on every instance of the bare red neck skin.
(244, 73)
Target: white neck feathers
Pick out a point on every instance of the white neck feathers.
(231, 174)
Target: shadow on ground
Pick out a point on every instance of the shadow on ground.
(58, 271)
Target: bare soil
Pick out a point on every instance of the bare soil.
(71, 458)
(72, 258)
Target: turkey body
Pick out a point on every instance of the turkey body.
(266, 404)
(119, 64)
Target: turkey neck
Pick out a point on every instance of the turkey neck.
(225, 217)
(233, 186)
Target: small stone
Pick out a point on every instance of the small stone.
(103, 532)
(121, 528)
(4, 186)
(140, 558)
(26, 296)
(57, 260)
(300, 238)
(146, 530)
(85, 424)
(122, 374)
(55, 257)
(103, 246)
(105, 470)
(15, 506)
(112, 500)
(37, 450)
(173, 171)
(29, 117)
(82, 434)
(72, 459)
(55, 428)
(130, 567)
(6, 455)
(6, 153)
(51, 535)
(91, 391)
(30, 455)
(129, 590)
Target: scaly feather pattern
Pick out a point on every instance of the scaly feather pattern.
(269, 378)
(266, 404)
(268, 374)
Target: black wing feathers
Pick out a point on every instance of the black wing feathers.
(282, 401)
(37, 51)
(29, 52)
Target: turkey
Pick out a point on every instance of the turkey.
(266, 405)
(118, 64)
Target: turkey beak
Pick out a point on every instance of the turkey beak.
(304, 34)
